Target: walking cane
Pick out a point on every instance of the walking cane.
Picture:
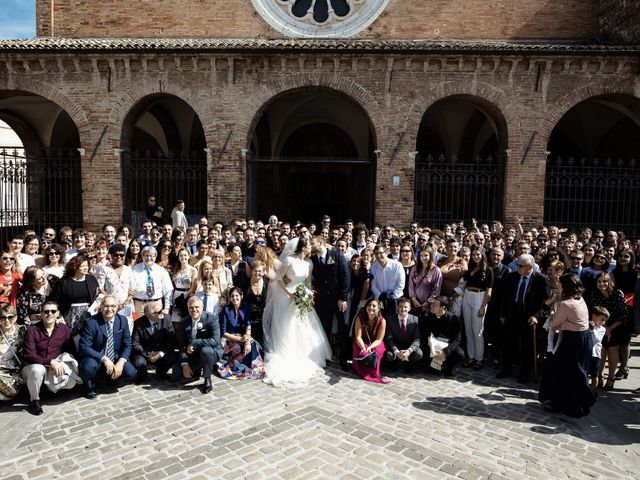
(535, 354)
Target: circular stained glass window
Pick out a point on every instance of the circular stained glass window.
(319, 18)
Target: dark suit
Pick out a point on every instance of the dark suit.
(93, 342)
(207, 345)
(145, 340)
(518, 339)
(331, 281)
(447, 326)
(396, 339)
(493, 328)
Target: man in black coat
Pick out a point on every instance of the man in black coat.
(493, 328)
(444, 325)
(523, 311)
(331, 281)
(153, 341)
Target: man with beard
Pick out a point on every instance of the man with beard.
(331, 281)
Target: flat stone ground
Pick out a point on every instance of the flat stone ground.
(339, 427)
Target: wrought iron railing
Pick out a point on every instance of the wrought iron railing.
(449, 188)
(178, 175)
(39, 188)
(597, 193)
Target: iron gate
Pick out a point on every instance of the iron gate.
(602, 194)
(448, 188)
(39, 188)
(168, 177)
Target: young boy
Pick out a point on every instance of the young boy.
(209, 298)
(599, 316)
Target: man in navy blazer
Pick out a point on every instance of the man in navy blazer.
(331, 280)
(200, 345)
(105, 346)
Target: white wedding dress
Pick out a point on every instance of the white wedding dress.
(298, 348)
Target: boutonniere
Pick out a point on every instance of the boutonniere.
(199, 326)
(330, 261)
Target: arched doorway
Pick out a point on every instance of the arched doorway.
(593, 167)
(460, 161)
(40, 174)
(312, 153)
(163, 154)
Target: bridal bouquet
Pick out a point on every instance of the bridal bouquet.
(303, 298)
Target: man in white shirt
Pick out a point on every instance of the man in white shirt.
(178, 218)
(387, 284)
(23, 260)
(151, 282)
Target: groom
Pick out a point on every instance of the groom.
(331, 281)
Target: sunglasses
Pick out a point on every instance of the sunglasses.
(53, 253)
(599, 257)
(9, 258)
(576, 258)
(522, 266)
(49, 312)
(117, 254)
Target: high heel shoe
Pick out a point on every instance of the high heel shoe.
(609, 385)
(620, 374)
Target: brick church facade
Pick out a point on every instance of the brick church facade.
(383, 111)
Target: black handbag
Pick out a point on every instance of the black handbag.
(370, 360)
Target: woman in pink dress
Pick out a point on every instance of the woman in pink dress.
(369, 331)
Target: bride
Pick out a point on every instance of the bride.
(297, 347)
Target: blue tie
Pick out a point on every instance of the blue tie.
(110, 353)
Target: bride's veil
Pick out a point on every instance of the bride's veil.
(267, 315)
(289, 249)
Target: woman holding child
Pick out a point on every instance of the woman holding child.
(564, 386)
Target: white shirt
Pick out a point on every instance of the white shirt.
(387, 279)
(25, 261)
(598, 335)
(161, 283)
(212, 302)
(178, 219)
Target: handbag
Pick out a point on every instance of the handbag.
(371, 360)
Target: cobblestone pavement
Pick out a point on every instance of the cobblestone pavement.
(418, 427)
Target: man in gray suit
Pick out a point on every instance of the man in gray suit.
(402, 338)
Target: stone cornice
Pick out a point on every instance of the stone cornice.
(195, 45)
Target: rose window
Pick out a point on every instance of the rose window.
(319, 18)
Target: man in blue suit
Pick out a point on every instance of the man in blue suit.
(200, 345)
(105, 346)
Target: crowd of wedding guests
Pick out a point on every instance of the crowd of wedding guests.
(187, 301)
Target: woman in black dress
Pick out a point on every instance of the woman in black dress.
(75, 292)
(255, 299)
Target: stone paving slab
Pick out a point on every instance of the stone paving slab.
(471, 426)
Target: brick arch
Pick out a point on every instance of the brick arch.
(484, 92)
(132, 98)
(578, 95)
(263, 96)
(51, 93)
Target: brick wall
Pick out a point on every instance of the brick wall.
(227, 91)
(402, 19)
(620, 21)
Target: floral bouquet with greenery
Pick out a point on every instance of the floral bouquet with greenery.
(303, 298)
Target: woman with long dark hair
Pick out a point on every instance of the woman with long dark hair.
(368, 342)
(425, 282)
(241, 356)
(564, 386)
(618, 331)
(477, 293)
